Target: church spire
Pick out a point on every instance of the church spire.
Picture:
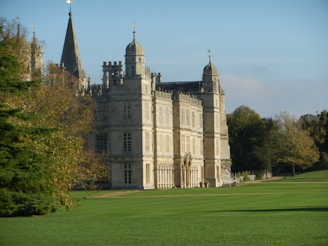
(70, 58)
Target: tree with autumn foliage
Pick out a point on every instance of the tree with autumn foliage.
(23, 171)
(317, 126)
(44, 125)
(291, 144)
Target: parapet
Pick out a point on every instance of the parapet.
(163, 94)
(187, 97)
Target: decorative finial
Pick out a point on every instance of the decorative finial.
(18, 26)
(70, 7)
(33, 28)
(133, 25)
(209, 55)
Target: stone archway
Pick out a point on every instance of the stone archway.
(187, 170)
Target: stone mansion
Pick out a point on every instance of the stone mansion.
(155, 134)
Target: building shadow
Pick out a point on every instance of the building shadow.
(306, 209)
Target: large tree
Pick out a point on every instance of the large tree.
(246, 133)
(317, 126)
(23, 172)
(293, 145)
(42, 132)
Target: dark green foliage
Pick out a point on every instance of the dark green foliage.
(246, 133)
(317, 126)
(23, 172)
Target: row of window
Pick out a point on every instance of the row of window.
(191, 144)
(164, 116)
(190, 118)
(164, 143)
(127, 173)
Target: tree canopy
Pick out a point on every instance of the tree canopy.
(293, 145)
(246, 134)
(259, 144)
(43, 127)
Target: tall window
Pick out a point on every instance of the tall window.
(188, 117)
(167, 116)
(183, 148)
(126, 111)
(193, 145)
(217, 147)
(217, 121)
(147, 111)
(133, 71)
(193, 119)
(167, 145)
(101, 112)
(127, 142)
(160, 117)
(127, 173)
(101, 143)
(147, 141)
(182, 117)
(147, 173)
(188, 144)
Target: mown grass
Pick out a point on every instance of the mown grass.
(253, 214)
(315, 176)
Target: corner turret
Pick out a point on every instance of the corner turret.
(36, 58)
(134, 59)
(210, 79)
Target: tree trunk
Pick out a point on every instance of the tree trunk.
(293, 170)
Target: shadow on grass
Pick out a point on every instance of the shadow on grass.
(271, 210)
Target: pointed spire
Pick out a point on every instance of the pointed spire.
(70, 58)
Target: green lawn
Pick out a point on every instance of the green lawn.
(254, 214)
(315, 176)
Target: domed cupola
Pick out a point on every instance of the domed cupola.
(134, 59)
(210, 77)
(134, 48)
(210, 70)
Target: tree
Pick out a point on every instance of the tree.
(317, 126)
(246, 134)
(23, 171)
(42, 132)
(293, 145)
(62, 106)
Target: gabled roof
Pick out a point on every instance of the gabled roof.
(71, 55)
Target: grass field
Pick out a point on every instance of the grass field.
(267, 213)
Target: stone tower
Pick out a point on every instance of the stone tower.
(129, 127)
(217, 152)
(36, 58)
(70, 58)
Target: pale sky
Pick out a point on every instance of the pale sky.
(272, 56)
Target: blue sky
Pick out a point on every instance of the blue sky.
(272, 56)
